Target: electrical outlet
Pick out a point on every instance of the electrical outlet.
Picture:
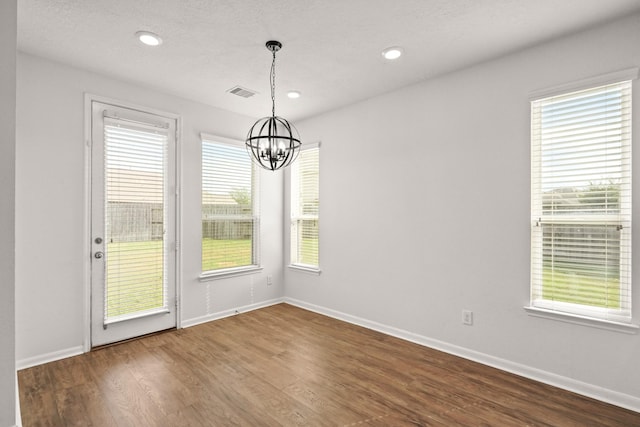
(467, 317)
(269, 280)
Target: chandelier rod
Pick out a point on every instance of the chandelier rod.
(273, 84)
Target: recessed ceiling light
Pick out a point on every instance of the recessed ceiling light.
(294, 94)
(149, 38)
(392, 53)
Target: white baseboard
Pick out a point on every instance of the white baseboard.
(231, 312)
(74, 351)
(49, 357)
(585, 389)
(18, 414)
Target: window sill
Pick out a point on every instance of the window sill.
(305, 269)
(627, 328)
(229, 272)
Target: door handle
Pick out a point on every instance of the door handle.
(98, 255)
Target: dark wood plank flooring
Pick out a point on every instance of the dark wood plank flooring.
(282, 365)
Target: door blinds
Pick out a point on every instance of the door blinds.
(135, 160)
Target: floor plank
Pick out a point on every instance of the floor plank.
(284, 366)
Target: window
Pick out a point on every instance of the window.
(305, 199)
(581, 203)
(230, 220)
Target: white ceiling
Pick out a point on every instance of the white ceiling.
(331, 48)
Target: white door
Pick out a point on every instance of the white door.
(133, 230)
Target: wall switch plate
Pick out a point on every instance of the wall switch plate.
(467, 317)
(269, 280)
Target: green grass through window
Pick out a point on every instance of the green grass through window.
(217, 254)
(134, 277)
(581, 289)
(309, 251)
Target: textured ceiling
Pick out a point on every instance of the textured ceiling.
(331, 49)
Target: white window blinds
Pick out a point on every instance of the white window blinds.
(135, 162)
(581, 202)
(230, 221)
(305, 205)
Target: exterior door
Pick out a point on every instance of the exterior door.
(133, 230)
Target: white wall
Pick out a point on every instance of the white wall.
(50, 208)
(8, 25)
(425, 211)
(425, 196)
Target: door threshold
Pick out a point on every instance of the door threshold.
(111, 344)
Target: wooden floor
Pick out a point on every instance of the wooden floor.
(285, 366)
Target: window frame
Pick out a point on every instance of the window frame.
(294, 216)
(570, 312)
(255, 265)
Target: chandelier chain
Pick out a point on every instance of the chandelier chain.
(273, 85)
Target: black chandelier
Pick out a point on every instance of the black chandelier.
(272, 141)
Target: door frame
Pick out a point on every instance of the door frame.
(89, 98)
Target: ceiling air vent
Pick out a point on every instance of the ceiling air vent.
(241, 91)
